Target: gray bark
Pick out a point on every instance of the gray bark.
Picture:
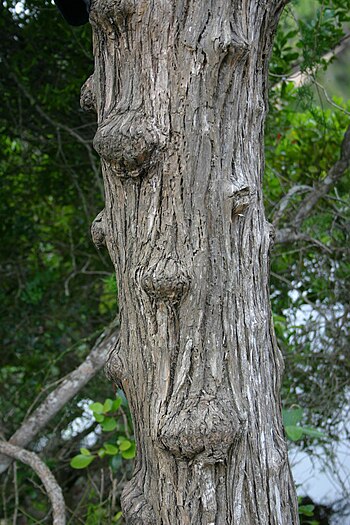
(180, 92)
(52, 488)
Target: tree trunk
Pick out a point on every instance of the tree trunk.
(180, 92)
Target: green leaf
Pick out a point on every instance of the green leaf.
(117, 517)
(294, 433)
(101, 452)
(96, 408)
(107, 406)
(109, 424)
(306, 510)
(292, 416)
(112, 450)
(116, 403)
(125, 445)
(116, 462)
(99, 417)
(312, 432)
(85, 452)
(80, 461)
(130, 453)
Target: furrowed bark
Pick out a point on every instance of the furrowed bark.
(180, 93)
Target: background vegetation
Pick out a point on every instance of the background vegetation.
(57, 292)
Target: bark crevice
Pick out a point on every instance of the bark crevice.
(181, 100)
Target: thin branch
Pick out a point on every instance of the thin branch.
(59, 397)
(283, 203)
(321, 189)
(52, 488)
(287, 235)
(299, 78)
(329, 100)
(15, 486)
(293, 233)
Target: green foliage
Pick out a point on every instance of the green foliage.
(294, 431)
(118, 447)
(57, 291)
(305, 512)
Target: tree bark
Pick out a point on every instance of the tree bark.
(180, 90)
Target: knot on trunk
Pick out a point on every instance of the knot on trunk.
(98, 230)
(115, 369)
(206, 428)
(127, 142)
(111, 15)
(88, 96)
(240, 197)
(136, 509)
(166, 280)
(272, 234)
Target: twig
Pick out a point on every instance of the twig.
(52, 488)
(287, 235)
(298, 77)
(320, 190)
(283, 203)
(15, 485)
(328, 98)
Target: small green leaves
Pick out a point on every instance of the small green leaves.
(97, 408)
(130, 452)
(108, 424)
(294, 433)
(312, 432)
(81, 461)
(291, 420)
(125, 445)
(85, 452)
(306, 510)
(292, 416)
(117, 517)
(124, 448)
(116, 403)
(112, 450)
(103, 413)
(107, 406)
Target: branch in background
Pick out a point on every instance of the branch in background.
(52, 488)
(59, 397)
(300, 78)
(284, 202)
(58, 125)
(286, 235)
(318, 192)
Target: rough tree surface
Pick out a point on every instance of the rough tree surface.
(180, 92)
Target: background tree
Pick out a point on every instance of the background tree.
(49, 190)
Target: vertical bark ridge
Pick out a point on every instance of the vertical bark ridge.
(180, 92)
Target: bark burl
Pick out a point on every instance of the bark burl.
(179, 88)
